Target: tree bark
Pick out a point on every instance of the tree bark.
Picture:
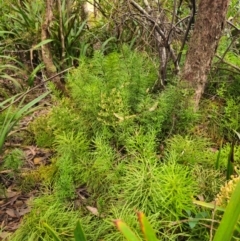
(51, 69)
(203, 44)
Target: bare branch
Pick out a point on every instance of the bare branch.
(225, 62)
(145, 13)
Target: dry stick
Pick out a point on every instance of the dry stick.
(231, 24)
(173, 19)
(191, 20)
(35, 87)
(143, 26)
(221, 59)
(160, 32)
(160, 37)
(233, 40)
(225, 62)
(229, 46)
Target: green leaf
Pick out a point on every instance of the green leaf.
(237, 133)
(53, 233)
(2, 32)
(146, 228)
(78, 233)
(11, 119)
(230, 217)
(33, 74)
(46, 41)
(126, 231)
(14, 81)
(208, 205)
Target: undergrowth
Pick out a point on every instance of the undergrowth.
(117, 141)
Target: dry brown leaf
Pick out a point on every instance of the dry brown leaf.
(13, 226)
(18, 203)
(10, 194)
(38, 160)
(4, 235)
(93, 210)
(200, 197)
(12, 213)
(24, 211)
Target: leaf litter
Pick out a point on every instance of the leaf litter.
(15, 203)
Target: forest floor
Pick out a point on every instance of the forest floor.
(15, 200)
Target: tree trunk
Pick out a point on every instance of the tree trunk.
(203, 44)
(51, 69)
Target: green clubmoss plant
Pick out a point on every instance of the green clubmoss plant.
(47, 209)
(70, 147)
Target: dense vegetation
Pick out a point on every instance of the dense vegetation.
(112, 143)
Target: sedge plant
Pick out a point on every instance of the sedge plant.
(12, 117)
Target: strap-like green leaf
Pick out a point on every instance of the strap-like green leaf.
(146, 228)
(78, 233)
(230, 217)
(208, 205)
(46, 41)
(126, 231)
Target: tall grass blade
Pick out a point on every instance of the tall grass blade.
(146, 228)
(230, 217)
(11, 120)
(13, 80)
(78, 233)
(33, 74)
(103, 47)
(126, 231)
(46, 41)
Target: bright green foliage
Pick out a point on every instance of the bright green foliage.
(47, 209)
(192, 150)
(43, 132)
(52, 232)
(112, 88)
(70, 148)
(107, 136)
(115, 90)
(78, 232)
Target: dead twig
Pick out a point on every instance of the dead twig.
(225, 62)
